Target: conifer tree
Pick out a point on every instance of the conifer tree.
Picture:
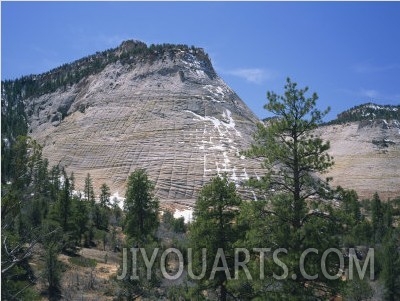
(88, 189)
(105, 195)
(141, 206)
(53, 245)
(65, 205)
(80, 217)
(213, 229)
(377, 218)
(391, 265)
(72, 182)
(55, 183)
(295, 218)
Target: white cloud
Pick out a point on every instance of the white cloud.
(253, 75)
(370, 93)
(366, 67)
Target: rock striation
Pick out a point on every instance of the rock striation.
(165, 110)
(366, 155)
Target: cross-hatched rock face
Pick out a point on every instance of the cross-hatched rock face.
(171, 115)
(366, 155)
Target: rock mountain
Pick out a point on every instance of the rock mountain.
(161, 108)
(365, 144)
(165, 109)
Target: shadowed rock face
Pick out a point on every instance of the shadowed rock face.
(170, 114)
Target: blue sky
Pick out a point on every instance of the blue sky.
(347, 52)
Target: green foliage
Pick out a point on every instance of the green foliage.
(267, 224)
(141, 207)
(358, 290)
(25, 204)
(55, 186)
(289, 219)
(391, 265)
(38, 207)
(367, 112)
(64, 206)
(105, 195)
(350, 206)
(67, 75)
(83, 262)
(291, 153)
(357, 230)
(102, 211)
(101, 216)
(13, 125)
(116, 217)
(80, 217)
(88, 189)
(185, 292)
(381, 217)
(377, 217)
(18, 288)
(213, 228)
(360, 234)
(176, 224)
(144, 285)
(168, 217)
(52, 243)
(25, 156)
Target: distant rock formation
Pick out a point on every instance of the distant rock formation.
(366, 155)
(368, 111)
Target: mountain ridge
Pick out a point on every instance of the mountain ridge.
(164, 108)
(127, 52)
(367, 111)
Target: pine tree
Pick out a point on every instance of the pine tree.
(141, 207)
(391, 265)
(213, 228)
(55, 182)
(65, 205)
(293, 220)
(19, 175)
(80, 217)
(105, 195)
(52, 243)
(88, 189)
(377, 218)
(141, 222)
(351, 205)
(72, 182)
(41, 179)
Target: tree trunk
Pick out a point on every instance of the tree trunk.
(223, 293)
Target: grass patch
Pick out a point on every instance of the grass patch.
(83, 262)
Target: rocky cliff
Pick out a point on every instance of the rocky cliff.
(365, 144)
(165, 109)
(162, 108)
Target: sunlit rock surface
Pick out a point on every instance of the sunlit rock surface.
(172, 115)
